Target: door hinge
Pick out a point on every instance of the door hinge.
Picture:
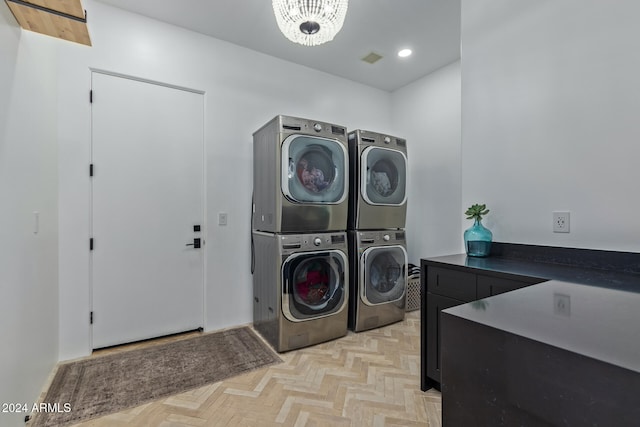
(91, 318)
(91, 97)
(91, 169)
(91, 244)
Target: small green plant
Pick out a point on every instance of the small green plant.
(476, 211)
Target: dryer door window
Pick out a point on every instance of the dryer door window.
(383, 176)
(313, 285)
(314, 170)
(384, 273)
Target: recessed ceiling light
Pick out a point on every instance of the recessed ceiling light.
(404, 53)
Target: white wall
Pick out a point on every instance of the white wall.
(244, 89)
(549, 122)
(550, 119)
(28, 183)
(427, 114)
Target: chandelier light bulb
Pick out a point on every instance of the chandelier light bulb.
(310, 22)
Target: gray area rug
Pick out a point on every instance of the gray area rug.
(111, 383)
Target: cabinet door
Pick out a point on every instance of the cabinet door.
(435, 305)
(451, 283)
(488, 286)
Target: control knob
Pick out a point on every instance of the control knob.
(317, 241)
(386, 237)
(317, 127)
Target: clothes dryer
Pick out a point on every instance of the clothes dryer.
(378, 181)
(378, 278)
(300, 177)
(300, 288)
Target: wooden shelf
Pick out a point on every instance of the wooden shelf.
(64, 19)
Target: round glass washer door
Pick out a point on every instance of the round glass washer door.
(384, 176)
(313, 285)
(384, 273)
(314, 170)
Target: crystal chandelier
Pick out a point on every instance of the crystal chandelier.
(310, 22)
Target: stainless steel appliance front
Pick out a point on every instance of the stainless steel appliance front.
(378, 181)
(378, 278)
(300, 287)
(300, 176)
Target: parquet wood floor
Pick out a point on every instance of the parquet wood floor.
(365, 379)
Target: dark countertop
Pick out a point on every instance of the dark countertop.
(544, 270)
(596, 322)
(600, 320)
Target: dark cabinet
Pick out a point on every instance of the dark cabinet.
(488, 286)
(435, 305)
(454, 284)
(444, 287)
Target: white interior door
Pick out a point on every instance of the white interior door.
(147, 196)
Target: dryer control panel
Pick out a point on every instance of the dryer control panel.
(365, 137)
(290, 125)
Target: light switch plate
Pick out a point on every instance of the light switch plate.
(36, 222)
(222, 218)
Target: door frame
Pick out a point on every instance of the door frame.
(205, 227)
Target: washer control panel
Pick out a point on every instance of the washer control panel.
(307, 242)
(381, 237)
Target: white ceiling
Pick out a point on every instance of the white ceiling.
(431, 28)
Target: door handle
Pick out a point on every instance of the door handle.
(196, 243)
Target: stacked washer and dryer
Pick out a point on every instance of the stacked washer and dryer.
(376, 220)
(313, 279)
(299, 220)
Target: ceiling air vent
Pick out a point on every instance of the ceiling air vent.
(372, 58)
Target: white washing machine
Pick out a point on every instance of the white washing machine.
(300, 288)
(300, 176)
(378, 278)
(378, 181)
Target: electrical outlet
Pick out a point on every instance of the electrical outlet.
(561, 222)
(562, 304)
